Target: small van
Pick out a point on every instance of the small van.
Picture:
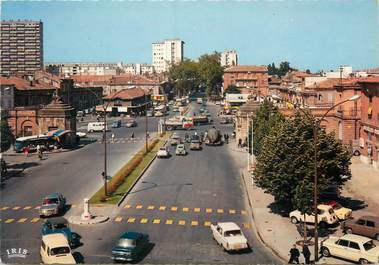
(55, 249)
(96, 127)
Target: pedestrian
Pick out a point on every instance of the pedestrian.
(132, 135)
(147, 134)
(306, 253)
(239, 142)
(26, 151)
(294, 255)
(226, 138)
(112, 137)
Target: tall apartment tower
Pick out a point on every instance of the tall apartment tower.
(167, 53)
(21, 47)
(229, 58)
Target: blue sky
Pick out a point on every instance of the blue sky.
(314, 34)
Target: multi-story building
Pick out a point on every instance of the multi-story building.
(138, 69)
(250, 79)
(21, 47)
(229, 58)
(70, 69)
(167, 53)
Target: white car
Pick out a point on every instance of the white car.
(229, 236)
(81, 134)
(163, 153)
(326, 215)
(55, 249)
(351, 247)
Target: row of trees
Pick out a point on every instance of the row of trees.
(205, 74)
(6, 135)
(285, 158)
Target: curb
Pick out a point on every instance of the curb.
(257, 229)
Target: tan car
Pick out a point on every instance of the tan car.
(55, 249)
(326, 216)
(351, 247)
(365, 226)
(342, 213)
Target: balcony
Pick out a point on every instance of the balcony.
(349, 113)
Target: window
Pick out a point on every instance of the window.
(361, 222)
(343, 243)
(370, 224)
(354, 245)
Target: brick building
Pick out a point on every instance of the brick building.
(250, 79)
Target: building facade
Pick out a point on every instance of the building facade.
(167, 53)
(70, 69)
(138, 69)
(21, 47)
(229, 58)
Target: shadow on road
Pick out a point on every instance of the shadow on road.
(78, 257)
(354, 204)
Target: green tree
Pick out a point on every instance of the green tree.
(285, 165)
(185, 76)
(211, 72)
(266, 118)
(232, 89)
(6, 135)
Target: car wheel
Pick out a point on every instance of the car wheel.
(348, 231)
(363, 261)
(357, 153)
(377, 237)
(323, 224)
(325, 252)
(294, 220)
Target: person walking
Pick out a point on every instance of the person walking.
(132, 135)
(226, 138)
(294, 255)
(239, 142)
(306, 253)
(112, 137)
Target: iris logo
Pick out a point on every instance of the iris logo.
(17, 253)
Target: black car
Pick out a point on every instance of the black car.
(130, 246)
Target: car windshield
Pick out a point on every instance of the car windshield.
(337, 206)
(50, 201)
(60, 226)
(233, 233)
(369, 245)
(126, 242)
(162, 149)
(59, 251)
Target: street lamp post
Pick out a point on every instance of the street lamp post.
(315, 125)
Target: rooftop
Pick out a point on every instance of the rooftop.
(23, 84)
(127, 94)
(246, 68)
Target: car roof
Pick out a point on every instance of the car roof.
(57, 220)
(228, 226)
(324, 207)
(180, 145)
(52, 195)
(370, 218)
(131, 235)
(55, 240)
(356, 238)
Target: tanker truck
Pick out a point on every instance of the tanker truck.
(213, 137)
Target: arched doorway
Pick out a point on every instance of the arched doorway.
(27, 128)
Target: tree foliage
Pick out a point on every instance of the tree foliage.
(282, 70)
(232, 89)
(6, 136)
(285, 164)
(185, 76)
(211, 72)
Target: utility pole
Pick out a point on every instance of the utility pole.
(146, 124)
(105, 150)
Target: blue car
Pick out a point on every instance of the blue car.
(60, 225)
(130, 247)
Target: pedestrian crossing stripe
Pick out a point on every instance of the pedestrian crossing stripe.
(4, 208)
(174, 209)
(232, 211)
(243, 212)
(118, 219)
(22, 220)
(144, 220)
(207, 223)
(131, 220)
(139, 207)
(162, 208)
(156, 221)
(196, 210)
(246, 225)
(127, 206)
(181, 222)
(169, 222)
(220, 211)
(208, 210)
(34, 220)
(27, 207)
(185, 209)
(151, 207)
(16, 208)
(194, 223)
(9, 221)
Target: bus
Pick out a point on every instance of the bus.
(32, 142)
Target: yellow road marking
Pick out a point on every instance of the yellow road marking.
(243, 212)
(34, 220)
(127, 206)
(196, 210)
(185, 209)
(208, 210)
(162, 208)
(151, 207)
(144, 220)
(4, 208)
(246, 225)
(169, 222)
(139, 207)
(9, 221)
(73, 205)
(207, 223)
(27, 207)
(22, 220)
(220, 211)
(174, 209)
(118, 219)
(156, 221)
(182, 222)
(194, 223)
(131, 220)
(16, 208)
(232, 211)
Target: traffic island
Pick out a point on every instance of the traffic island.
(87, 218)
(125, 179)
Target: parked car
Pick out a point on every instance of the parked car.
(341, 212)
(52, 204)
(130, 246)
(55, 249)
(131, 123)
(175, 139)
(326, 215)
(158, 114)
(163, 152)
(60, 225)
(180, 150)
(116, 124)
(351, 247)
(365, 226)
(81, 134)
(149, 113)
(229, 236)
